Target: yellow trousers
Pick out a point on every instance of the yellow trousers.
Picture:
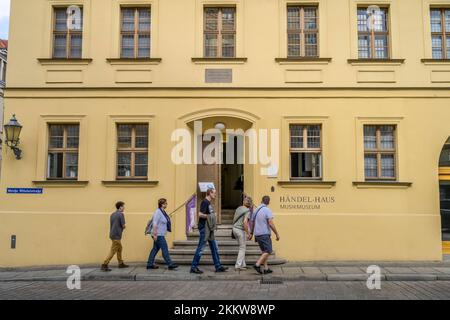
(116, 248)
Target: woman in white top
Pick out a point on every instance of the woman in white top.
(161, 225)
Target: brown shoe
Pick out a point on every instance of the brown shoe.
(105, 268)
(123, 266)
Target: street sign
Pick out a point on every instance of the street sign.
(24, 191)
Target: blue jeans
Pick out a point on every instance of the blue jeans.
(160, 243)
(201, 246)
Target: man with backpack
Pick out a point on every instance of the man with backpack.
(262, 228)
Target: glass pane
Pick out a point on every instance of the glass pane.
(124, 164)
(447, 20)
(128, 19)
(436, 21)
(364, 46)
(72, 136)
(141, 164)
(296, 136)
(387, 137)
(444, 159)
(56, 136)
(228, 21)
(71, 165)
(124, 136)
(60, 46)
(306, 165)
(370, 137)
(144, 19)
(387, 166)
(228, 45)
(210, 45)
(363, 17)
(379, 20)
(61, 19)
(211, 19)
(141, 136)
(371, 166)
(55, 165)
(381, 47)
(293, 18)
(144, 46)
(127, 46)
(75, 46)
(310, 18)
(311, 45)
(293, 45)
(436, 43)
(313, 136)
(72, 19)
(448, 47)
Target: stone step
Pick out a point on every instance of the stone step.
(218, 233)
(226, 244)
(228, 262)
(219, 239)
(222, 251)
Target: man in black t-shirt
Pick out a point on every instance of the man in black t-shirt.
(206, 209)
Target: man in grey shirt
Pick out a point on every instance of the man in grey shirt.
(262, 229)
(117, 225)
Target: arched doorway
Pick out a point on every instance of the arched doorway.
(444, 192)
(231, 174)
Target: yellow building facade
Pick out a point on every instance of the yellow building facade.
(360, 101)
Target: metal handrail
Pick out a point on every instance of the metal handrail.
(174, 211)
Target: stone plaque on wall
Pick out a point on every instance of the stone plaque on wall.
(218, 75)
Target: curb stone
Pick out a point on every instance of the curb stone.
(411, 277)
(245, 277)
(443, 277)
(121, 277)
(349, 277)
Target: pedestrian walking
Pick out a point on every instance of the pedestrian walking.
(207, 225)
(241, 231)
(262, 226)
(158, 228)
(117, 225)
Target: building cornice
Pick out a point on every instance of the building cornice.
(226, 92)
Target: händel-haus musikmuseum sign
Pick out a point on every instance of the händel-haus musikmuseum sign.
(305, 202)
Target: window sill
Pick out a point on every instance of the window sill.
(134, 61)
(130, 183)
(219, 60)
(61, 183)
(435, 61)
(382, 184)
(307, 184)
(306, 60)
(62, 61)
(366, 62)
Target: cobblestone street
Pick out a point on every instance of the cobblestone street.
(233, 290)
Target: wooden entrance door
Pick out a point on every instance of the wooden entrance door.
(210, 173)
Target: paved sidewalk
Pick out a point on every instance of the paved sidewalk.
(324, 271)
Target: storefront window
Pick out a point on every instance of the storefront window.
(445, 210)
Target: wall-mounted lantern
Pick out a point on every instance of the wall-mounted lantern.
(12, 132)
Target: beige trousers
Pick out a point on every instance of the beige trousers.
(242, 241)
(116, 248)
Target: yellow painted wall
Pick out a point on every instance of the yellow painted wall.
(69, 224)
